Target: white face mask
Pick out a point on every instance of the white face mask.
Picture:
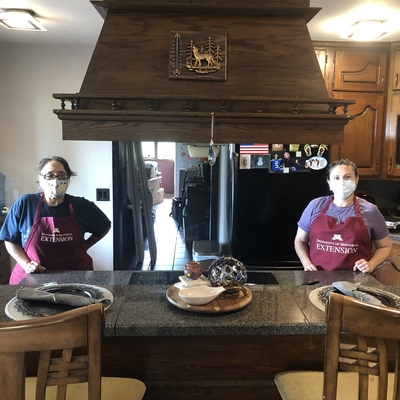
(342, 189)
(55, 188)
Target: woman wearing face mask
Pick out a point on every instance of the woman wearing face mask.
(342, 231)
(45, 231)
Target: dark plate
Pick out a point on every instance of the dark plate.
(20, 309)
(386, 298)
(85, 291)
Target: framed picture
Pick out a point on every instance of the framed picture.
(197, 55)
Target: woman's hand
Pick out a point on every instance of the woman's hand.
(383, 249)
(310, 267)
(19, 255)
(363, 266)
(33, 266)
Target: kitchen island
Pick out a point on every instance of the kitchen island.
(181, 354)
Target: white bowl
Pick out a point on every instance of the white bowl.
(200, 295)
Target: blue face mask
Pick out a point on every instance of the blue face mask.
(342, 189)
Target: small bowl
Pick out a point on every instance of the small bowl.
(200, 295)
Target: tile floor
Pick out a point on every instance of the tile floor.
(172, 251)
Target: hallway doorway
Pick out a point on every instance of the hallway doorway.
(172, 251)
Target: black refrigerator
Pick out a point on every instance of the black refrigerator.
(273, 183)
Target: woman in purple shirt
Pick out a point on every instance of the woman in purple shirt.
(342, 231)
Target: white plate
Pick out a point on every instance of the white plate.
(18, 310)
(319, 296)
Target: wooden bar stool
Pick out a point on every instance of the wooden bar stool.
(356, 344)
(61, 374)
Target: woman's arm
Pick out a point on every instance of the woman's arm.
(93, 239)
(302, 249)
(383, 249)
(19, 255)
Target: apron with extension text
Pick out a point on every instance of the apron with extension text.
(55, 243)
(339, 246)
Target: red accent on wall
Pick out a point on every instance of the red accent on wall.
(166, 167)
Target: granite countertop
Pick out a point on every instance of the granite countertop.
(143, 310)
(394, 234)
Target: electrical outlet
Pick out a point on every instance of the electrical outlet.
(103, 194)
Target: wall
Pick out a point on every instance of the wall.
(182, 162)
(29, 130)
(166, 167)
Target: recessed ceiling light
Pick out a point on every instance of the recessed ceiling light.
(367, 30)
(13, 18)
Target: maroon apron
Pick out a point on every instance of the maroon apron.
(55, 243)
(339, 246)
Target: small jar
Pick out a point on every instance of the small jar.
(193, 270)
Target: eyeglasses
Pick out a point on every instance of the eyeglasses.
(50, 176)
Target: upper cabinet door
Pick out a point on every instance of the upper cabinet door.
(360, 71)
(396, 70)
(363, 135)
(392, 142)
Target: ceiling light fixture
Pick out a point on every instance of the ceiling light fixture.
(18, 19)
(367, 30)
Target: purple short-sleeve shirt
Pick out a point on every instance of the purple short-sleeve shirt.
(370, 213)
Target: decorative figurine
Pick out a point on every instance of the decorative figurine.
(193, 270)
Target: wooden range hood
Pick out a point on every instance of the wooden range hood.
(272, 89)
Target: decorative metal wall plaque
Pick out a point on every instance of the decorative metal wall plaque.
(197, 55)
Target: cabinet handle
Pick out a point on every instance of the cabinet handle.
(377, 163)
(383, 80)
(390, 164)
(396, 80)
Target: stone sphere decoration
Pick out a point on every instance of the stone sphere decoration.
(227, 272)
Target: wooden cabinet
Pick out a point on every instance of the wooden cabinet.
(363, 136)
(5, 266)
(392, 142)
(360, 70)
(392, 136)
(395, 70)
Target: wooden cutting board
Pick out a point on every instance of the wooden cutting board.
(225, 302)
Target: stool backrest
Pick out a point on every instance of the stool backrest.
(56, 338)
(369, 329)
(388, 273)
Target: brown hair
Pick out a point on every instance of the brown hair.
(342, 161)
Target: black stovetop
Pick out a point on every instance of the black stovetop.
(171, 277)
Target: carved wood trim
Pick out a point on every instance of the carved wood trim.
(261, 104)
(248, 9)
(187, 119)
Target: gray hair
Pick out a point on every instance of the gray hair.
(61, 160)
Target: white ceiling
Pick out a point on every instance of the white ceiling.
(78, 22)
